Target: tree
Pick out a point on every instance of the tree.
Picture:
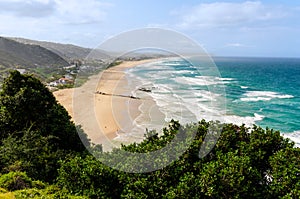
(26, 103)
(32, 153)
(89, 177)
(35, 131)
(284, 174)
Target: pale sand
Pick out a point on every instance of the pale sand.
(101, 116)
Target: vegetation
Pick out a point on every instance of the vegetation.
(115, 63)
(35, 131)
(49, 61)
(19, 54)
(67, 51)
(41, 156)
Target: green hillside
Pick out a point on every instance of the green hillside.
(15, 54)
(32, 58)
(69, 52)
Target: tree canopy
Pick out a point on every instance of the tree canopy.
(257, 163)
(27, 104)
(35, 131)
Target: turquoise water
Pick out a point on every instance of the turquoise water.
(262, 91)
(267, 86)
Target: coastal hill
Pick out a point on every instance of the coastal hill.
(48, 60)
(19, 55)
(69, 52)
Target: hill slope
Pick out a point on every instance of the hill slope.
(67, 51)
(19, 55)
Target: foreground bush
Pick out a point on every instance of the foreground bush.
(15, 181)
(89, 177)
(243, 164)
(35, 131)
(51, 192)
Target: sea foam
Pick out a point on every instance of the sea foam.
(254, 96)
(294, 136)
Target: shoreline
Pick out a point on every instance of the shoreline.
(103, 106)
(118, 95)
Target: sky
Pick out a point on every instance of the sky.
(223, 28)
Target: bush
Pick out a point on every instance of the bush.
(3, 190)
(50, 192)
(239, 166)
(89, 177)
(15, 181)
(32, 153)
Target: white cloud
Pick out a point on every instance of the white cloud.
(31, 9)
(65, 21)
(229, 14)
(60, 11)
(81, 12)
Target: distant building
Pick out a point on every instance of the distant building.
(61, 81)
(53, 84)
(22, 71)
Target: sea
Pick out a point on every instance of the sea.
(239, 90)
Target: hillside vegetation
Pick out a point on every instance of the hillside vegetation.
(29, 58)
(15, 54)
(41, 156)
(69, 52)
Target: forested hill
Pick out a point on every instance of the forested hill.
(14, 54)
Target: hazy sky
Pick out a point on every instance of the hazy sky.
(235, 28)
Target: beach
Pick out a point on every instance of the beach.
(103, 106)
(107, 113)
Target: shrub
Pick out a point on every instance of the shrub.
(3, 190)
(15, 181)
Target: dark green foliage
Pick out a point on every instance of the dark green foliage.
(239, 166)
(87, 176)
(26, 103)
(285, 173)
(230, 175)
(35, 131)
(32, 153)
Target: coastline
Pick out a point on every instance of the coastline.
(117, 111)
(103, 106)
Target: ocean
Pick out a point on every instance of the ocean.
(260, 91)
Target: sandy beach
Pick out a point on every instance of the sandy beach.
(103, 106)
